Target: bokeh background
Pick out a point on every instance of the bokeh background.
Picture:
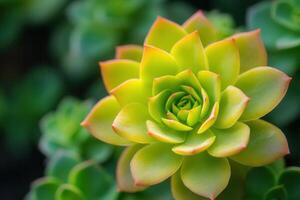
(49, 50)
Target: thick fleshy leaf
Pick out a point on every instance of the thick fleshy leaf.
(251, 49)
(154, 163)
(115, 72)
(180, 191)
(211, 83)
(194, 116)
(205, 175)
(68, 192)
(124, 177)
(223, 59)
(188, 78)
(130, 123)
(164, 34)
(99, 181)
(290, 178)
(198, 22)
(167, 82)
(195, 143)
(100, 119)
(266, 144)
(277, 192)
(265, 86)
(156, 63)
(189, 53)
(230, 141)
(164, 134)
(211, 119)
(130, 52)
(232, 104)
(60, 165)
(258, 182)
(44, 188)
(156, 105)
(131, 91)
(176, 125)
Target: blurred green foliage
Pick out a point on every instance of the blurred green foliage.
(273, 183)
(61, 130)
(26, 103)
(15, 14)
(95, 27)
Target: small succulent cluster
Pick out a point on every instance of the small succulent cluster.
(188, 105)
(279, 22)
(61, 132)
(66, 179)
(273, 182)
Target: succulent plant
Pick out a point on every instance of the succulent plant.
(279, 22)
(61, 131)
(185, 104)
(265, 183)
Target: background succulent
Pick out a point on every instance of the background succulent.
(182, 107)
(273, 182)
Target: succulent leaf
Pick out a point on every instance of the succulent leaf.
(124, 177)
(223, 57)
(115, 72)
(205, 175)
(189, 53)
(130, 52)
(154, 163)
(99, 121)
(266, 144)
(265, 86)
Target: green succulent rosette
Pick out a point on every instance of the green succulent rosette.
(185, 104)
(61, 131)
(265, 183)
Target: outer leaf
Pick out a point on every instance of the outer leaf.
(195, 143)
(156, 63)
(211, 83)
(68, 192)
(164, 134)
(290, 178)
(189, 53)
(154, 164)
(131, 91)
(180, 191)
(164, 34)
(124, 177)
(267, 143)
(89, 172)
(252, 50)
(198, 22)
(100, 119)
(205, 175)
(131, 123)
(230, 141)
(232, 104)
(115, 72)
(223, 59)
(130, 52)
(266, 87)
